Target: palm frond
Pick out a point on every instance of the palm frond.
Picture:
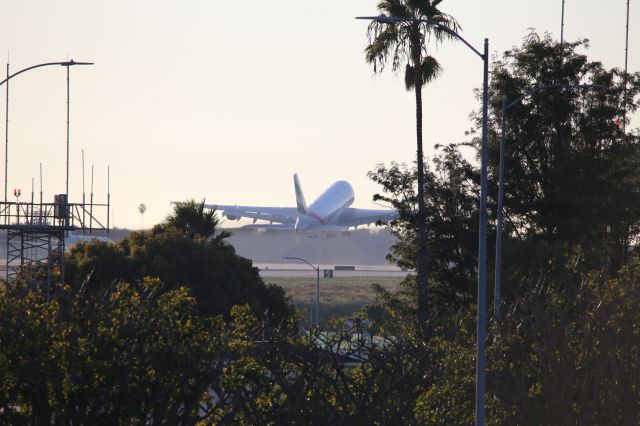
(408, 42)
(409, 77)
(430, 70)
(195, 220)
(383, 42)
(396, 8)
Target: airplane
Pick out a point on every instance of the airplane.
(329, 212)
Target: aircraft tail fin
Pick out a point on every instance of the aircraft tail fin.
(301, 204)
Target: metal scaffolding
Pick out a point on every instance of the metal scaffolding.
(36, 235)
(36, 232)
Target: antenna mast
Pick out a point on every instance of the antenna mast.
(40, 208)
(6, 139)
(67, 187)
(83, 192)
(91, 202)
(108, 196)
(626, 64)
(40, 240)
(40, 183)
(562, 24)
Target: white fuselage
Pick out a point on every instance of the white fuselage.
(327, 207)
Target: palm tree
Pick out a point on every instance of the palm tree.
(142, 208)
(195, 220)
(405, 43)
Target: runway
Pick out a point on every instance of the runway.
(302, 270)
(292, 270)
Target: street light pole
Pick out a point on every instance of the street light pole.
(317, 269)
(482, 249)
(497, 303)
(6, 80)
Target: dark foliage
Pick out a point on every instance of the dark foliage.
(199, 260)
(452, 224)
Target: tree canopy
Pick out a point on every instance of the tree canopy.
(565, 351)
(122, 355)
(451, 206)
(195, 220)
(571, 173)
(572, 191)
(171, 326)
(187, 249)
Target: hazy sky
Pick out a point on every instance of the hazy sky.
(227, 99)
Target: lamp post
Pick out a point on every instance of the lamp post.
(6, 147)
(317, 269)
(482, 249)
(505, 108)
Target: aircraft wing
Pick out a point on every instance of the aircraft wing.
(272, 227)
(285, 215)
(354, 217)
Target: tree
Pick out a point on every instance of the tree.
(568, 350)
(192, 218)
(339, 376)
(142, 208)
(122, 355)
(193, 254)
(452, 216)
(405, 42)
(572, 189)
